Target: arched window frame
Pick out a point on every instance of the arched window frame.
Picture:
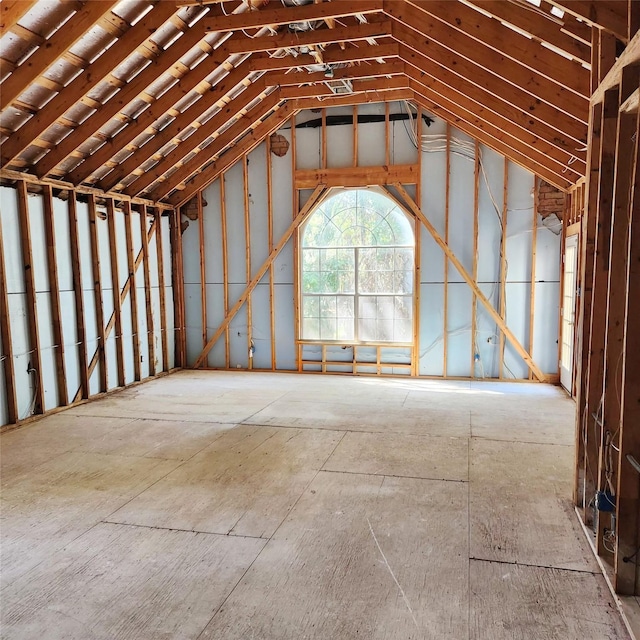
(405, 299)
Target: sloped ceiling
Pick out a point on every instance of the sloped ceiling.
(155, 99)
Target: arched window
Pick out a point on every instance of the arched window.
(357, 270)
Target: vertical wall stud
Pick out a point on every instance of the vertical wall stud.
(115, 288)
(203, 271)
(97, 289)
(178, 281)
(147, 289)
(447, 192)
(355, 135)
(415, 360)
(225, 268)
(474, 300)
(503, 261)
(534, 246)
(133, 293)
(296, 266)
(81, 333)
(272, 324)
(35, 361)
(387, 136)
(247, 235)
(323, 142)
(162, 292)
(54, 286)
(7, 345)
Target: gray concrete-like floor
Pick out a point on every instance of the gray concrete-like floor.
(283, 506)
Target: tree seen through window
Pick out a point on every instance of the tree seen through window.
(357, 270)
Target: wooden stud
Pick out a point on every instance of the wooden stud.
(133, 293)
(35, 360)
(417, 254)
(355, 135)
(387, 137)
(147, 290)
(596, 344)
(474, 302)
(247, 255)
(316, 198)
(203, 284)
(627, 574)
(81, 333)
(7, 345)
(415, 209)
(447, 199)
(534, 246)
(54, 288)
(272, 324)
(323, 141)
(296, 260)
(101, 349)
(358, 176)
(163, 305)
(589, 237)
(503, 261)
(178, 279)
(225, 267)
(115, 290)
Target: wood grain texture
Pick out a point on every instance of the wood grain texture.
(520, 507)
(163, 578)
(511, 602)
(359, 557)
(244, 483)
(61, 499)
(393, 454)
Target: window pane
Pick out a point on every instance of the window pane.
(328, 329)
(345, 307)
(346, 330)
(310, 329)
(310, 307)
(327, 306)
(310, 259)
(402, 331)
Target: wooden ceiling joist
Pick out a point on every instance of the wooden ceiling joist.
(295, 13)
(11, 11)
(84, 82)
(546, 29)
(62, 40)
(499, 65)
(610, 15)
(504, 41)
(453, 70)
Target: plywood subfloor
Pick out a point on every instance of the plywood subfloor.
(274, 506)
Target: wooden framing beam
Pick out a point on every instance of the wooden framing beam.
(330, 55)
(161, 292)
(81, 332)
(178, 286)
(203, 285)
(469, 28)
(198, 139)
(133, 293)
(54, 296)
(500, 119)
(182, 121)
(541, 27)
(7, 345)
(62, 40)
(119, 101)
(498, 66)
(101, 349)
(115, 289)
(363, 71)
(272, 293)
(417, 212)
(82, 84)
(508, 147)
(212, 171)
(491, 91)
(350, 99)
(17, 176)
(11, 11)
(35, 360)
(630, 55)
(316, 198)
(282, 15)
(364, 31)
(356, 176)
(610, 15)
(145, 233)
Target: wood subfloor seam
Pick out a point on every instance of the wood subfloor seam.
(513, 563)
(198, 531)
(391, 475)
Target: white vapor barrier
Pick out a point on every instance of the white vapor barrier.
(24, 362)
(471, 337)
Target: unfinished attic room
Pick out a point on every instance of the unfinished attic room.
(316, 322)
